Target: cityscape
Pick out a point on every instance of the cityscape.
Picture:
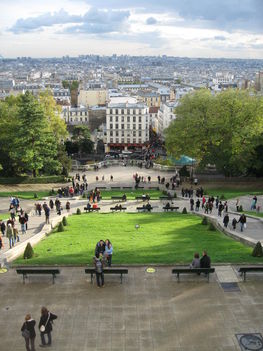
(131, 175)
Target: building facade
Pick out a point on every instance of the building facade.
(92, 97)
(127, 126)
(166, 115)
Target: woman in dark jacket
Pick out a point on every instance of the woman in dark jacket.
(29, 325)
(45, 323)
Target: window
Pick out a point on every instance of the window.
(117, 133)
(140, 126)
(140, 141)
(140, 133)
(111, 133)
(122, 140)
(111, 140)
(110, 118)
(128, 126)
(117, 140)
(134, 126)
(116, 126)
(86, 119)
(116, 118)
(134, 118)
(128, 118)
(122, 118)
(80, 119)
(134, 134)
(128, 140)
(122, 134)
(111, 126)
(111, 111)
(128, 112)
(140, 119)
(122, 112)
(117, 111)
(122, 126)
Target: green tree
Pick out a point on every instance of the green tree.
(221, 129)
(81, 137)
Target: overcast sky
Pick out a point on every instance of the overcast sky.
(194, 28)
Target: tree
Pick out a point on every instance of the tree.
(81, 137)
(223, 129)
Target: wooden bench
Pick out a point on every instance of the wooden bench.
(144, 209)
(91, 209)
(244, 269)
(120, 271)
(166, 197)
(118, 209)
(187, 270)
(119, 198)
(26, 271)
(172, 208)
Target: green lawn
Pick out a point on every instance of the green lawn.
(131, 194)
(254, 213)
(26, 195)
(162, 238)
(4, 215)
(231, 193)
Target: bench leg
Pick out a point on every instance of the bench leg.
(54, 276)
(207, 277)
(178, 279)
(24, 278)
(244, 276)
(91, 278)
(121, 278)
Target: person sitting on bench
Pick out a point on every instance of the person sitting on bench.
(167, 205)
(124, 197)
(148, 207)
(205, 261)
(88, 206)
(95, 205)
(196, 261)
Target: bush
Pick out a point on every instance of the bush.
(240, 208)
(204, 221)
(29, 252)
(257, 251)
(222, 197)
(212, 227)
(78, 211)
(52, 192)
(84, 196)
(184, 210)
(60, 227)
(64, 221)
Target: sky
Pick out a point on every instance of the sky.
(192, 28)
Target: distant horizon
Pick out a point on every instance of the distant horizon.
(231, 29)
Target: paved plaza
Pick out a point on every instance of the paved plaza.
(146, 312)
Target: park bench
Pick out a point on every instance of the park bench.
(26, 271)
(91, 209)
(166, 197)
(118, 209)
(172, 208)
(144, 198)
(144, 209)
(119, 198)
(187, 270)
(120, 271)
(244, 269)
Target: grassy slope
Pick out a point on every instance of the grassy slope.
(231, 193)
(131, 194)
(26, 195)
(162, 238)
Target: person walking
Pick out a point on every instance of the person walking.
(47, 213)
(2, 227)
(10, 235)
(68, 206)
(242, 220)
(45, 326)
(98, 263)
(28, 332)
(226, 220)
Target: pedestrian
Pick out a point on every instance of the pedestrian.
(47, 213)
(45, 326)
(98, 263)
(68, 206)
(22, 221)
(192, 202)
(51, 204)
(2, 227)
(108, 251)
(197, 205)
(10, 235)
(226, 220)
(234, 223)
(28, 332)
(243, 222)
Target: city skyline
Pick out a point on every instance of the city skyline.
(230, 29)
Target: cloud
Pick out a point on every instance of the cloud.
(219, 37)
(151, 20)
(31, 24)
(93, 21)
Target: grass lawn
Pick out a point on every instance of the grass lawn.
(26, 195)
(4, 215)
(131, 194)
(254, 213)
(162, 238)
(231, 193)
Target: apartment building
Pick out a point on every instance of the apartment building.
(127, 126)
(92, 97)
(166, 115)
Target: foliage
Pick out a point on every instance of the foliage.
(170, 238)
(240, 208)
(81, 142)
(78, 211)
(184, 210)
(164, 162)
(204, 221)
(35, 129)
(29, 252)
(257, 251)
(31, 180)
(232, 192)
(223, 129)
(131, 194)
(60, 227)
(184, 172)
(64, 221)
(28, 195)
(212, 227)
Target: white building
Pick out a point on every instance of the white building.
(75, 115)
(165, 116)
(127, 126)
